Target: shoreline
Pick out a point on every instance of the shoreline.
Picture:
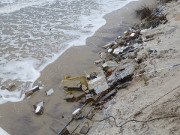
(77, 64)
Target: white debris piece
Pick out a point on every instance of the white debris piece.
(132, 35)
(3, 132)
(39, 108)
(109, 50)
(119, 50)
(49, 92)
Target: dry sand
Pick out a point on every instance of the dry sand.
(150, 96)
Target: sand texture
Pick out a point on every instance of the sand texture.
(152, 95)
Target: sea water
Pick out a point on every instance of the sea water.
(34, 33)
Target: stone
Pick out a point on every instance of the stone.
(109, 45)
(70, 98)
(49, 92)
(110, 50)
(11, 87)
(132, 34)
(99, 84)
(39, 109)
(98, 61)
(120, 41)
(84, 88)
(71, 85)
(84, 130)
(103, 55)
(119, 50)
(109, 64)
(120, 76)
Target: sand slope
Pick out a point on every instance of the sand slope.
(150, 96)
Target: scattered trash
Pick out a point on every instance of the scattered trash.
(77, 114)
(39, 109)
(49, 92)
(29, 93)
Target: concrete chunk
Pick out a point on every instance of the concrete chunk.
(71, 85)
(121, 76)
(99, 84)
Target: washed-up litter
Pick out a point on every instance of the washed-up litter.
(39, 109)
(29, 93)
(49, 92)
(77, 114)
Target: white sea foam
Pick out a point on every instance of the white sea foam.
(15, 5)
(20, 70)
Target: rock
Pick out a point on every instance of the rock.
(132, 34)
(98, 61)
(119, 50)
(123, 85)
(103, 55)
(89, 96)
(11, 87)
(71, 85)
(99, 83)
(84, 130)
(84, 87)
(110, 50)
(109, 45)
(120, 76)
(109, 64)
(39, 109)
(70, 98)
(49, 92)
(120, 42)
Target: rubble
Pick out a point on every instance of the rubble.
(71, 85)
(121, 76)
(118, 62)
(39, 109)
(109, 64)
(99, 82)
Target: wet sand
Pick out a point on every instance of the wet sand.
(19, 118)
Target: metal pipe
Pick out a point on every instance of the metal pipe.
(65, 126)
(83, 119)
(70, 120)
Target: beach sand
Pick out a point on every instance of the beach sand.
(19, 118)
(150, 96)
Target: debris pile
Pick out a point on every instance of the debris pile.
(119, 61)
